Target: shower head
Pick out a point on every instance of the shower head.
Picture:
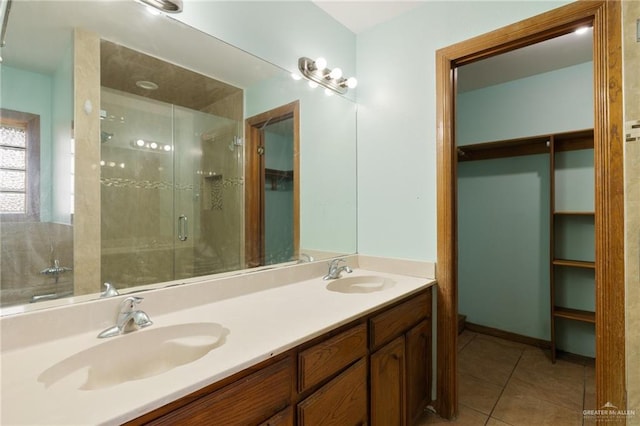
(105, 136)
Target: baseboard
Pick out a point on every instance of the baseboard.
(575, 358)
(507, 335)
(462, 321)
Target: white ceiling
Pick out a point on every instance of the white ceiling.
(560, 52)
(361, 15)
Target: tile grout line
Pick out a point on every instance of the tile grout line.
(505, 387)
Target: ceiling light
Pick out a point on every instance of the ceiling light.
(146, 85)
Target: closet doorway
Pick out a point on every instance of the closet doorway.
(272, 195)
(609, 234)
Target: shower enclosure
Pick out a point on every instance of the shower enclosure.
(171, 191)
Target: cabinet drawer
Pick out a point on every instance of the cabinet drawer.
(341, 402)
(397, 320)
(330, 356)
(248, 401)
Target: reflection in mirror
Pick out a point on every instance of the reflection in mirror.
(171, 174)
(272, 224)
(169, 163)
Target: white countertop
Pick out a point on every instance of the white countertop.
(261, 325)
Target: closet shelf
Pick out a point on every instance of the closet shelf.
(574, 314)
(574, 213)
(575, 263)
(567, 141)
(275, 177)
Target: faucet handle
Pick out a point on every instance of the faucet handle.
(335, 262)
(129, 303)
(109, 291)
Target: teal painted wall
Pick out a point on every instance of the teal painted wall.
(551, 102)
(277, 31)
(327, 161)
(280, 32)
(397, 120)
(503, 218)
(279, 201)
(503, 244)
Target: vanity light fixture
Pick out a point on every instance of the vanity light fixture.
(166, 6)
(317, 72)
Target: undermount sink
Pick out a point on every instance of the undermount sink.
(361, 284)
(134, 356)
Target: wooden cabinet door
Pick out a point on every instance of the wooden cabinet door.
(283, 418)
(418, 341)
(341, 402)
(388, 384)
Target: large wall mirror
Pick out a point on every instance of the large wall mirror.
(146, 185)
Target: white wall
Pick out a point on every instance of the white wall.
(396, 119)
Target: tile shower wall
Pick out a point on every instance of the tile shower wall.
(27, 249)
(87, 154)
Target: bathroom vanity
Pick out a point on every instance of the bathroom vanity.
(275, 347)
(324, 381)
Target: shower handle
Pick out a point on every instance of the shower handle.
(182, 228)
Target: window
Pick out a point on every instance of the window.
(19, 165)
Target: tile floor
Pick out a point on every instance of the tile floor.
(506, 383)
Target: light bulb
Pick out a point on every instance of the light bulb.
(167, 148)
(352, 82)
(140, 142)
(153, 145)
(328, 92)
(335, 73)
(295, 76)
(313, 84)
(321, 63)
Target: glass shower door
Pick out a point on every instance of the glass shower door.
(171, 191)
(208, 194)
(137, 223)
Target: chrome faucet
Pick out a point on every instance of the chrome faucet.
(335, 270)
(127, 319)
(304, 257)
(109, 291)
